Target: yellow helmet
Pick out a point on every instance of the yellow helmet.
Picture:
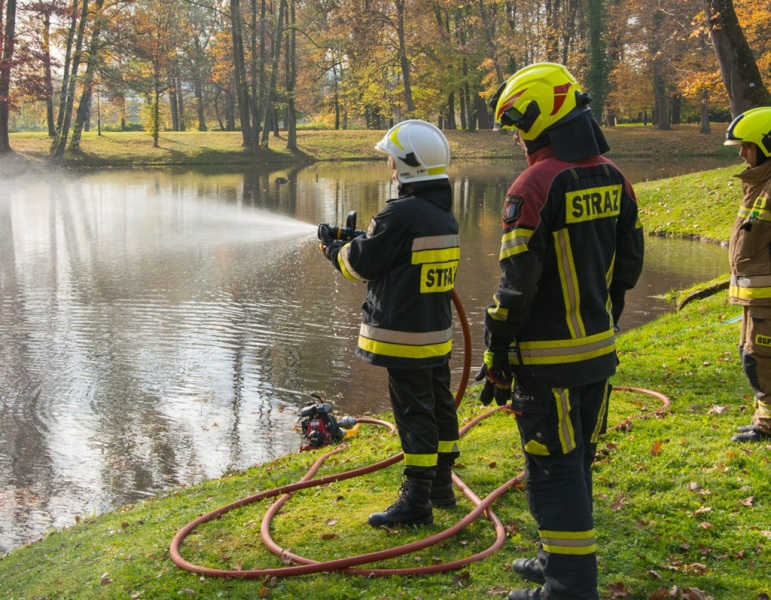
(751, 126)
(537, 98)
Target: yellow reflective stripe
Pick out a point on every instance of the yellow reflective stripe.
(748, 293)
(601, 417)
(762, 214)
(564, 425)
(764, 406)
(436, 256)
(569, 281)
(514, 242)
(405, 351)
(436, 170)
(343, 260)
(536, 448)
(568, 542)
(395, 139)
(497, 312)
(420, 460)
(609, 280)
(550, 352)
(448, 447)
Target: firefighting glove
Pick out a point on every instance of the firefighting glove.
(326, 242)
(496, 371)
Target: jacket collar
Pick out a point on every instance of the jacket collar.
(540, 155)
(756, 175)
(438, 191)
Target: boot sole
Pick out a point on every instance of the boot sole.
(445, 503)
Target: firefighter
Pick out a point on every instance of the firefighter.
(409, 257)
(749, 254)
(572, 245)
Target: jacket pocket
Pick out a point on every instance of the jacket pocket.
(532, 411)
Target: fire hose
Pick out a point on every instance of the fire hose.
(306, 566)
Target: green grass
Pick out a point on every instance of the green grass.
(698, 205)
(225, 148)
(676, 502)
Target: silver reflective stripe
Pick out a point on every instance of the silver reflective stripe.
(434, 242)
(566, 350)
(406, 338)
(750, 282)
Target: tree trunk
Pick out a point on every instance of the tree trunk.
(597, 78)
(173, 106)
(242, 86)
(49, 87)
(483, 116)
(291, 115)
(254, 100)
(268, 108)
(336, 97)
(489, 38)
(9, 39)
(263, 40)
(198, 90)
(180, 105)
(451, 111)
(676, 106)
(738, 68)
(404, 62)
(67, 64)
(60, 141)
(88, 79)
(705, 111)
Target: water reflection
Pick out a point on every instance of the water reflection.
(157, 327)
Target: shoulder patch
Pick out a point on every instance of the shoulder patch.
(371, 227)
(512, 209)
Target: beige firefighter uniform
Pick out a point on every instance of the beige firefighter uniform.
(750, 259)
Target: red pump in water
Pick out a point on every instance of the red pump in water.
(321, 428)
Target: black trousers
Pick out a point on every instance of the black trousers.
(424, 410)
(559, 428)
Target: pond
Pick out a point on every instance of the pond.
(158, 327)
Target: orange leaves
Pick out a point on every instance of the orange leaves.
(656, 448)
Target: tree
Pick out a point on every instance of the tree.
(738, 68)
(7, 40)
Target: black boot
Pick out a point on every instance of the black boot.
(753, 435)
(745, 428)
(530, 569)
(442, 492)
(413, 507)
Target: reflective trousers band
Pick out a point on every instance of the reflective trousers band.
(420, 460)
(568, 542)
(405, 344)
(554, 352)
(343, 261)
(764, 406)
(448, 447)
(748, 288)
(514, 242)
(565, 425)
(601, 416)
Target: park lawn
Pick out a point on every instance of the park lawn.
(676, 503)
(225, 148)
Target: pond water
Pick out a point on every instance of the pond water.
(158, 327)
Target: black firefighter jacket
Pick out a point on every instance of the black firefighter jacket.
(408, 257)
(572, 246)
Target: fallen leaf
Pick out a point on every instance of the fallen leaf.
(653, 574)
(705, 525)
(694, 594)
(655, 449)
(104, 580)
(328, 536)
(331, 522)
(460, 578)
(493, 464)
(660, 594)
(698, 511)
(618, 504)
(748, 501)
(263, 592)
(617, 590)
(498, 590)
(717, 410)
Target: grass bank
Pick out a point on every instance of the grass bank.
(698, 205)
(676, 503)
(224, 148)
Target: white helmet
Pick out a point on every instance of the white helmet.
(419, 149)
